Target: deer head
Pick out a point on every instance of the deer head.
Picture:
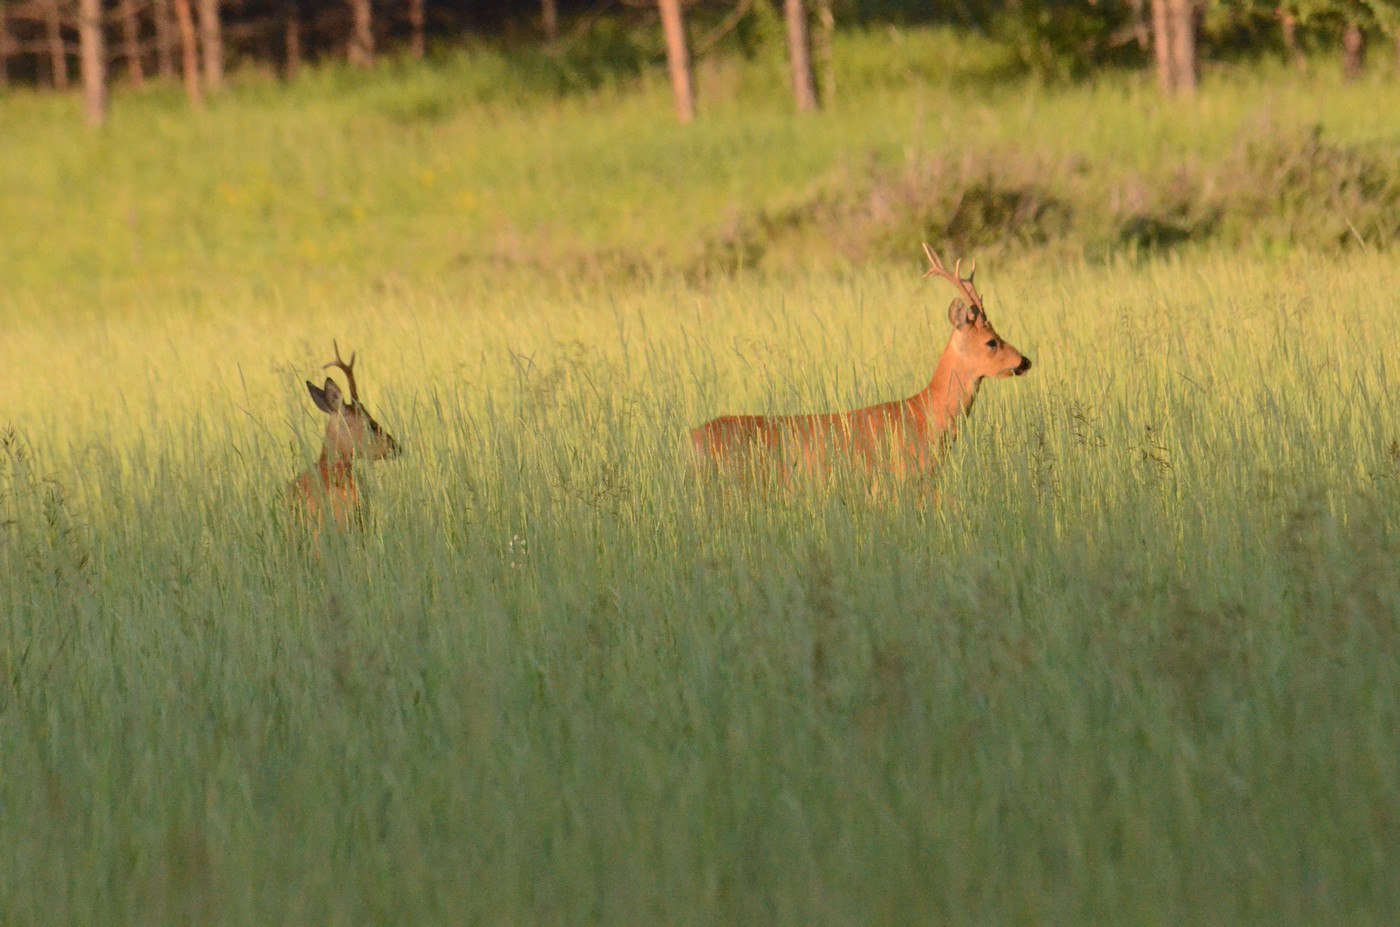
(979, 349)
(351, 431)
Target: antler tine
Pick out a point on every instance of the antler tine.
(349, 370)
(935, 265)
(963, 284)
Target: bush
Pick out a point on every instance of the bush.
(1271, 192)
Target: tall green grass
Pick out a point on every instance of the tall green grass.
(1129, 657)
(1134, 661)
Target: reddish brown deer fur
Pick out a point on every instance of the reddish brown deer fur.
(351, 432)
(894, 437)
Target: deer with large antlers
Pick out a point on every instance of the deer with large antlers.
(896, 437)
(350, 433)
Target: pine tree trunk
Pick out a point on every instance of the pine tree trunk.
(189, 52)
(1184, 46)
(417, 22)
(800, 55)
(58, 57)
(1162, 46)
(1142, 32)
(93, 58)
(678, 59)
(549, 16)
(131, 36)
(360, 51)
(165, 40)
(1353, 51)
(5, 43)
(825, 47)
(1294, 51)
(1174, 45)
(291, 39)
(211, 40)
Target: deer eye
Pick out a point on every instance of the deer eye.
(992, 344)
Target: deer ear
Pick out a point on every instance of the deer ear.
(333, 396)
(960, 314)
(328, 399)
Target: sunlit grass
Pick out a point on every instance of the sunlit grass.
(1143, 634)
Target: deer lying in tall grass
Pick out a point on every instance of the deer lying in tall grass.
(350, 433)
(894, 437)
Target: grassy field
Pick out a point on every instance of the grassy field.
(1133, 662)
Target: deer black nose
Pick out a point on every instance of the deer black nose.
(1023, 366)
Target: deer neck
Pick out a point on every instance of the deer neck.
(335, 470)
(950, 394)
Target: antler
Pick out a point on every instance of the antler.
(963, 284)
(349, 371)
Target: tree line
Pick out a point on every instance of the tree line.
(66, 44)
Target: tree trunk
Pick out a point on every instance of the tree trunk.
(799, 42)
(165, 40)
(58, 57)
(361, 49)
(825, 47)
(93, 57)
(1174, 45)
(211, 40)
(549, 16)
(1162, 46)
(678, 58)
(417, 21)
(291, 39)
(1289, 21)
(4, 45)
(131, 36)
(189, 52)
(1141, 31)
(1184, 46)
(1353, 51)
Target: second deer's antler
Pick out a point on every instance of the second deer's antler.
(963, 284)
(349, 370)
